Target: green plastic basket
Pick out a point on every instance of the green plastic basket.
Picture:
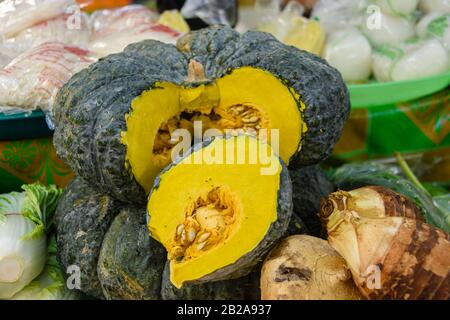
(388, 93)
(23, 126)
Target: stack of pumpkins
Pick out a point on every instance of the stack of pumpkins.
(143, 224)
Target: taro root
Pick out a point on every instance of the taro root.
(303, 267)
(390, 255)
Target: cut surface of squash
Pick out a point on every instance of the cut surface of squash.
(247, 100)
(208, 214)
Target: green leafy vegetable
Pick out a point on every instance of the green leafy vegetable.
(25, 219)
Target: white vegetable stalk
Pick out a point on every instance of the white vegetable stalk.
(50, 284)
(24, 219)
(21, 258)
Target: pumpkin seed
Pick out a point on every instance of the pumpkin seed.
(180, 229)
(204, 237)
(183, 238)
(191, 234)
(200, 246)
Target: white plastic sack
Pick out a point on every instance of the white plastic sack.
(33, 78)
(17, 15)
(116, 42)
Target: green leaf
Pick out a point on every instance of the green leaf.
(10, 203)
(39, 206)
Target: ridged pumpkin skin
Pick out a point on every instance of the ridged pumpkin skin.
(91, 107)
(109, 243)
(131, 263)
(83, 217)
(245, 288)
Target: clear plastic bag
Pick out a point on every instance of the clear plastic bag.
(33, 78)
(17, 15)
(211, 11)
(105, 22)
(411, 60)
(340, 14)
(63, 28)
(292, 28)
(117, 41)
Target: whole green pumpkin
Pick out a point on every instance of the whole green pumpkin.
(114, 120)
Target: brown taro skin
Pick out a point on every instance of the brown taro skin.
(302, 267)
(417, 266)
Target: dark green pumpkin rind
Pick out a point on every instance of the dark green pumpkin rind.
(131, 263)
(296, 226)
(309, 185)
(245, 288)
(90, 113)
(246, 264)
(321, 87)
(83, 216)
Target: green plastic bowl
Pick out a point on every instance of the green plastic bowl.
(388, 93)
(23, 126)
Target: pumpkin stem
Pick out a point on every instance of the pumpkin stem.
(196, 71)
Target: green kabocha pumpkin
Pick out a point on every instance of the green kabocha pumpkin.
(109, 243)
(115, 120)
(218, 210)
(245, 288)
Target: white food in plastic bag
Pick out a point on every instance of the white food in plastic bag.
(350, 53)
(7, 54)
(116, 42)
(435, 25)
(340, 14)
(397, 7)
(429, 59)
(441, 6)
(60, 29)
(105, 22)
(421, 27)
(17, 15)
(391, 30)
(33, 78)
(384, 58)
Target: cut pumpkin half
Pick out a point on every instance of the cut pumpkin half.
(247, 100)
(220, 208)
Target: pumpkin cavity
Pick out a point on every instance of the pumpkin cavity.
(208, 222)
(233, 120)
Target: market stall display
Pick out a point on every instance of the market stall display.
(300, 151)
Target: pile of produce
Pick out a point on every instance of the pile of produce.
(391, 40)
(199, 161)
